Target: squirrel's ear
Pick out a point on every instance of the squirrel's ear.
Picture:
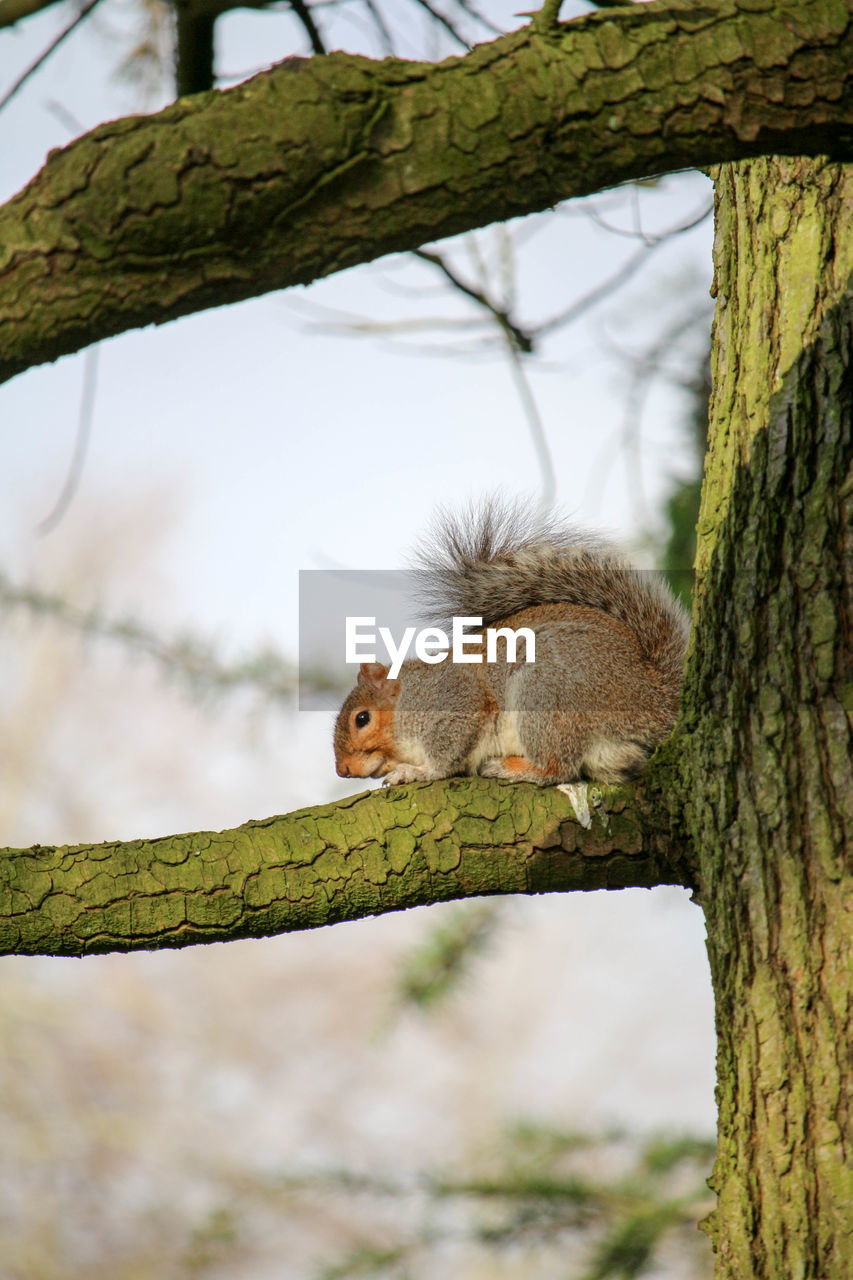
(372, 673)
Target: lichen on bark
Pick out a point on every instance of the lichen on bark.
(767, 739)
(376, 852)
(319, 164)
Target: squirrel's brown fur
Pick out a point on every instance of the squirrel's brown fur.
(600, 696)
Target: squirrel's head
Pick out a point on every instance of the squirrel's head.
(364, 741)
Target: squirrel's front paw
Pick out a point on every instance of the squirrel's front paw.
(404, 773)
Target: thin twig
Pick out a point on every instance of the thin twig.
(548, 16)
(443, 22)
(81, 444)
(517, 342)
(589, 300)
(323, 319)
(646, 366)
(519, 336)
(61, 113)
(623, 275)
(45, 54)
(548, 490)
(481, 18)
(379, 22)
(649, 237)
(303, 13)
(637, 216)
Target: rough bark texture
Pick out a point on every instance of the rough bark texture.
(768, 738)
(322, 163)
(376, 852)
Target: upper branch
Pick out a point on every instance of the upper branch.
(372, 853)
(322, 163)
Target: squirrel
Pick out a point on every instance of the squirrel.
(600, 695)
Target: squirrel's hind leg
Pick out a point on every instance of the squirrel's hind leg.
(520, 769)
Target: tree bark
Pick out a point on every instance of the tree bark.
(766, 748)
(376, 852)
(322, 163)
(194, 46)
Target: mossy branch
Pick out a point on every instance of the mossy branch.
(376, 852)
(322, 163)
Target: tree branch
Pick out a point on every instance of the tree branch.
(12, 11)
(375, 852)
(322, 163)
(518, 338)
(194, 49)
(50, 48)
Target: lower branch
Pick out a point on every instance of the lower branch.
(376, 852)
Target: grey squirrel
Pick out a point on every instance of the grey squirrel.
(600, 695)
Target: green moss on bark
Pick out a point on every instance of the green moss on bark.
(766, 756)
(377, 852)
(322, 163)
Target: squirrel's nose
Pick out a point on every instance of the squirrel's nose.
(342, 769)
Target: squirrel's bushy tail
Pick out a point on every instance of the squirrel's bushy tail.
(503, 557)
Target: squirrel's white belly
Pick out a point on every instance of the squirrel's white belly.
(410, 750)
(499, 740)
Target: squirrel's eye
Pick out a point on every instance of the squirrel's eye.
(362, 719)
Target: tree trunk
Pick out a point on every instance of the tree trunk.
(767, 731)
